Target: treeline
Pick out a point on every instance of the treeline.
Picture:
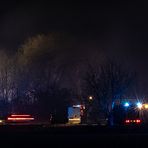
(48, 73)
(30, 79)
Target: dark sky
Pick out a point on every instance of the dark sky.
(117, 25)
(119, 28)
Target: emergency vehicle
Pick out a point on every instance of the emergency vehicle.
(75, 113)
(126, 112)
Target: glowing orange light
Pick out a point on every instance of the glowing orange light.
(1, 121)
(74, 119)
(146, 106)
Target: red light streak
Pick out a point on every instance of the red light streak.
(20, 115)
(17, 119)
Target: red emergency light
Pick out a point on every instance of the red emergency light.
(128, 121)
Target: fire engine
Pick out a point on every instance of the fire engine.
(128, 112)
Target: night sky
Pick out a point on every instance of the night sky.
(118, 29)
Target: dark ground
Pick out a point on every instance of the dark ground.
(72, 136)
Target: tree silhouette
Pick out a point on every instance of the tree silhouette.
(107, 82)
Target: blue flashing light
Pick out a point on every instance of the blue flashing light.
(126, 104)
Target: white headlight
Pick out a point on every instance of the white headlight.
(139, 105)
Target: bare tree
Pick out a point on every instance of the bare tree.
(7, 74)
(40, 72)
(37, 58)
(107, 82)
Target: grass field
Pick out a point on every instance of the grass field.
(72, 136)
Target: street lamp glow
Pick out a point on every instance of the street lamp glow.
(90, 98)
